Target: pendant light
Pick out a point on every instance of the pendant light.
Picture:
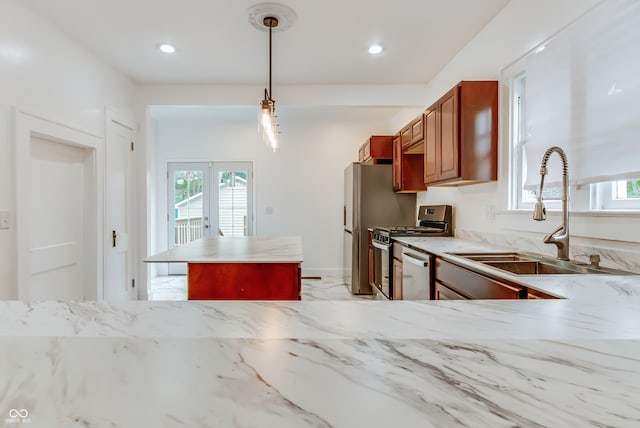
(268, 124)
(270, 17)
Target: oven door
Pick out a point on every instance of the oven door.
(381, 262)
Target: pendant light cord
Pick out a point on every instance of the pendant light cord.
(270, 29)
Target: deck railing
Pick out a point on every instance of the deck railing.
(188, 229)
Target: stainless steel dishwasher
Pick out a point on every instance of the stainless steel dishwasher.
(416, 275)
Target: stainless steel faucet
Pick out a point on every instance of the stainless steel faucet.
(560, 236)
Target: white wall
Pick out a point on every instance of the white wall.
(303, 182)
(519, 27)
(43, 71)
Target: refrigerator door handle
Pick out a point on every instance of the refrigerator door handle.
(344, 216)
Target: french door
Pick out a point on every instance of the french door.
(208, 199)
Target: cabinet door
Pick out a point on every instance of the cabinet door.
(397, 163)
(366, 151)
(445, 293)
(405, 136)
(448, 133)
(417, 130)
(371, 272)
(430, 146)
(476, 285)
(397, 279)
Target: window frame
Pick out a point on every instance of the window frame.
(596, 197)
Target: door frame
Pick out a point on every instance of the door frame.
(27, 125)
(172, 165)
(112, 114)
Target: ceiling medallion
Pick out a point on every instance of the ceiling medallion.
(284, 14)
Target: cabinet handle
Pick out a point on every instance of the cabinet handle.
(414, 261)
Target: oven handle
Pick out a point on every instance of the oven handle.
(414, 261)
(381, 246)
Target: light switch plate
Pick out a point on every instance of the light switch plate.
(4, 219)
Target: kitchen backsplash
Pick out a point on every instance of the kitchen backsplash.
(613, 254)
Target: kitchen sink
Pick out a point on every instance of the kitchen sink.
(536, 268)
(497, 257)
(532, 264)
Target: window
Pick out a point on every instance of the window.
(523, 198)
(578, 90)
(610, 195)
(617, 195)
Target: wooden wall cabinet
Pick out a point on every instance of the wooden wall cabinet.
(412, 136)
(408, 157)
(377, 149)
(461, 136)
(397, 163)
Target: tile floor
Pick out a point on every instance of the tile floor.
(174, 287)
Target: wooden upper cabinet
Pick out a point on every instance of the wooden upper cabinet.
(397, 163)
(417, 130)
(430, 143)
(377, 149)
(405, 136)
(412, 136)
(448, 107)
(461, 136)
(409, 157)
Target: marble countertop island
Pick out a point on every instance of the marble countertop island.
(244, 249)
(530, 363)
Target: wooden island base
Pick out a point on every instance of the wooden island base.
(244, 281)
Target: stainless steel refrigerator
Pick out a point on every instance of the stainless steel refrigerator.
(369, 201)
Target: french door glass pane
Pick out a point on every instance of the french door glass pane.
(232, 203)
(188, 205)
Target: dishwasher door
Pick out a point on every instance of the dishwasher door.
(416, 276)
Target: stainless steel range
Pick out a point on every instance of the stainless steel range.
(433, 220)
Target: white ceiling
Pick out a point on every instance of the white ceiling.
(328, 44)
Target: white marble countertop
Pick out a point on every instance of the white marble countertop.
(576, 287)
(530, 363)
(245, 249)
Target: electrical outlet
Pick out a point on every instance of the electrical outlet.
(491, 212)
(4, 219)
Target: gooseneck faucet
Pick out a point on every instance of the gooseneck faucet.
(560, 236)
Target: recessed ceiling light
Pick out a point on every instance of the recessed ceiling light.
(167, 48)
(375, 49)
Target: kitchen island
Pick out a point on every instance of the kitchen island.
(485, 363)
(240, 268)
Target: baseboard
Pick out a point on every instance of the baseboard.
(323, 272)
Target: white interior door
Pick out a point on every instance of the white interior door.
(119, 283)
(57, 206)
(59, 181)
